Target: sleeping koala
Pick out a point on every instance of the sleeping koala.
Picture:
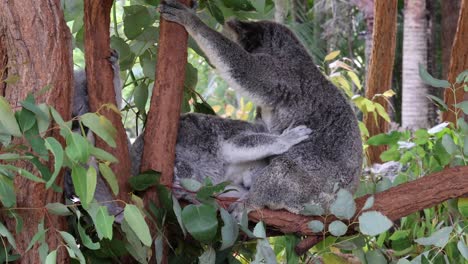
(265, 62)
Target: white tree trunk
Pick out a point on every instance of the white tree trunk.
(415, 103)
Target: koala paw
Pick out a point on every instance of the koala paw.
(174, 11)
(295, 135)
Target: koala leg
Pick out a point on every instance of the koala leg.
(256, 146)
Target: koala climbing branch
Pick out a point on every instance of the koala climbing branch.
(395, 203)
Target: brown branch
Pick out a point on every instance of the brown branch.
(458, 63)
(163, 118)
(395, 203)
(99, 75)
(379, 76)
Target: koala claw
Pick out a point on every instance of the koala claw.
(174, 11)
(296, 134)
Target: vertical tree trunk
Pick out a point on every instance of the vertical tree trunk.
(281, 11)
(379, 75)
(163, 117)
(458, 61)
(450, 11)
(37, 43)
(414, 113)
(101, 91)
(367, 9)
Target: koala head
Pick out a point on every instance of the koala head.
(260, 36)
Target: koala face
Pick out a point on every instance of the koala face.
(260, 36)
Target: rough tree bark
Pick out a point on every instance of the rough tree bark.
(450, 10)
(415, 105)
(395, 203)
(458, 62)
(37, 43)
(379, 75)
(163, 117)
(99, 76)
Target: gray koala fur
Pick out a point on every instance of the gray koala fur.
(267, 63)
(81, 106)
(223, 150)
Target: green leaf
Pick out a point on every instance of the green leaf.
(191, 77)
(70, 240)
(51, 257)
(229, 231)
(191, 185)
(215, 11)
(428, 79)
(337, 228)
(201, 221)
(316, 226)
(462, 205)
(77, 148)
(84, 183)
(375, 257)
(5, 233)
(26, 174)
(439, 238)
(7, 191)
(463, 106)
(102, 220)
(141, 96)
(441, 105)
(384, 139)
(203, 108)
(462, 77)
(239, 5)
(449, 145)
(8, 123)
(144, 180)
(40, 234)
(312, 209)
(37, 143)
(103, 155)
(54, 146)
(463, 249)
(137, 223)
(86, 240)
(110, 177)
(259, 230)
(101, 126)
(332, 55)
(208, 257)
(58, 209)
(344, 206)
(26, 119)
(136, 19)
(178, 213)
(126, 56)
(373, 223)
(369, 203)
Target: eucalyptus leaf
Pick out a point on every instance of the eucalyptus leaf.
(5, 233)
(369, 203)
(375, 257)
(101, 126)
(449, 144)
(373, 223)
(58, 209)
(316, 226)
(102, 220)
(54, 146)
(337, 228)
(7, 191)
(439, 238)
(229, 231)
(191, 185)
(8, 123)
(70, 240)
(344, 206)
(428, 79)
(40, 234)
(312, 210)
(201, 221)
(110, 177)
(178, 213)
(136, 221)
(463, 249)
(51, 257)
(86, 239)
(208, 257)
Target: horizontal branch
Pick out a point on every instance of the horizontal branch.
(394, 203)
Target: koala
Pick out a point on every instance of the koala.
(222, 150)
(265, 62)
(81, 106)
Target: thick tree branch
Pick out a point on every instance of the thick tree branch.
(379, 76)
(101, 91)
(395, 203)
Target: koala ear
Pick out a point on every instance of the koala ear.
(249, 34)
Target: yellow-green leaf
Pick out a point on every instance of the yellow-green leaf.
(332, 55)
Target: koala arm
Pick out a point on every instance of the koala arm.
(256, 146)
(232, 62)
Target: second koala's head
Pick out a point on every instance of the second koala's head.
(260, 36)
